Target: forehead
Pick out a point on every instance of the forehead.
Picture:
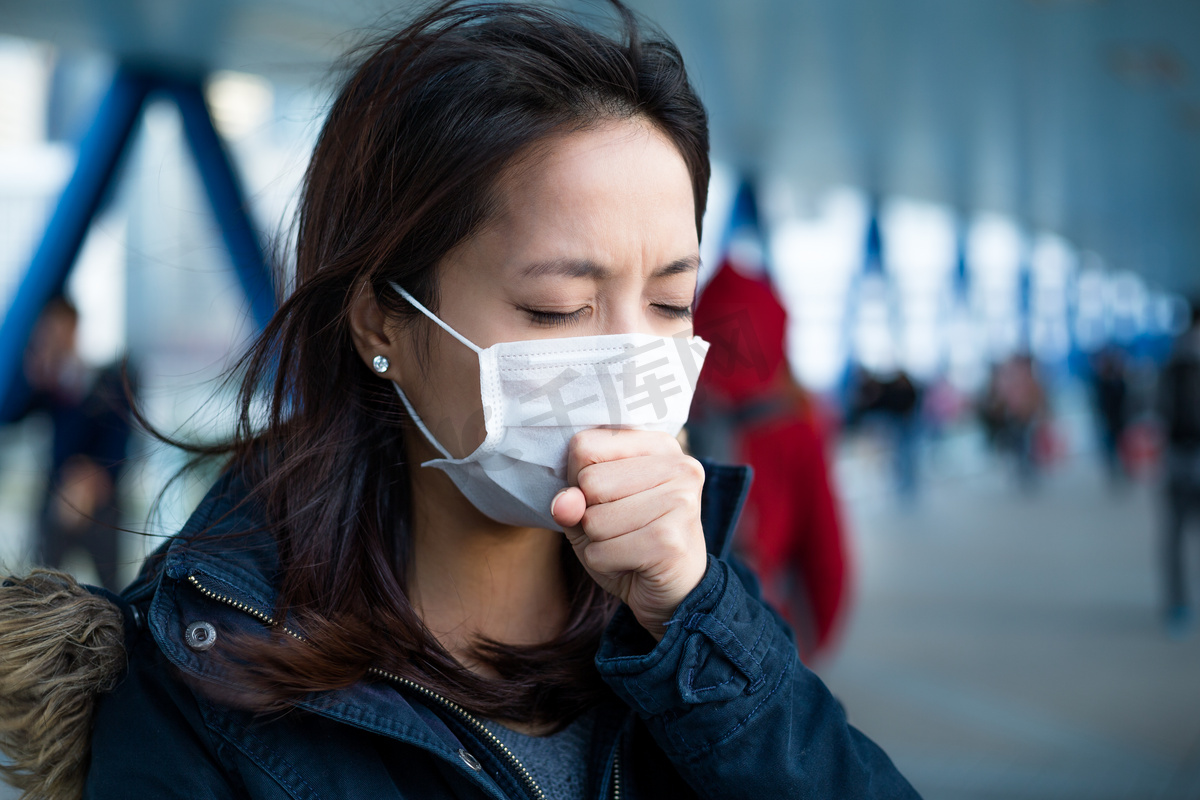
(617, 187)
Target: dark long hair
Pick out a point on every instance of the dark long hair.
(405, 168)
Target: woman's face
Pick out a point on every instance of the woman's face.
(596, 235)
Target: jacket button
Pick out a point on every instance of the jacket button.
(469, 760)
(200, 636)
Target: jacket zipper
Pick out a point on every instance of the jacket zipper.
(616, 773)
(531, 786)
(498, 746)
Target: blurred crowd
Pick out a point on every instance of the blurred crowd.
(1144, 404)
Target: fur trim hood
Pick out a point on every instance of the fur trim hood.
(61, 644)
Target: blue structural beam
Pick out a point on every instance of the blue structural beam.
(962, 278)
(99, 155)
(873, 260)
(744, 213)
(227, 200)
(1025, 306)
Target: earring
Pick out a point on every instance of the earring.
(381, 364)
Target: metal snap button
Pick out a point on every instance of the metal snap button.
(200, 636)
(469, 760)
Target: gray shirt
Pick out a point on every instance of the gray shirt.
(557, 763)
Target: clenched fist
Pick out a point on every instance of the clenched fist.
(632, 514)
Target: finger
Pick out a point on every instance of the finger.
(597, 445)
(613, 480)
(643, 551)
(568, 506)
(604, 521)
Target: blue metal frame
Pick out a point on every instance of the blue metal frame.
(100, 154)
(227, 200)
(1025, 303)
(962, 277)
(873, 250)
(744, 214)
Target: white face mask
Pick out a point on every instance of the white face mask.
(539, 393)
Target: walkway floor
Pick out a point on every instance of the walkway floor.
(1009, 646)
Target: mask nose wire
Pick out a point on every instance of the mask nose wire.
(400, 291)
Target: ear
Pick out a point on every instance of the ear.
(371, 332)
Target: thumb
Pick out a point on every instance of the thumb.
(568, 506)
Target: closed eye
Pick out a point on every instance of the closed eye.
(558, 319)
(555, 319)
(674, 312)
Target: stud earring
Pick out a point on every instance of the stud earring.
(381, 364)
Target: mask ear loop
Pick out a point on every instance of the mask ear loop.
(412, 412)
(400, 291)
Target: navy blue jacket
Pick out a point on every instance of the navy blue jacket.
(720, 708)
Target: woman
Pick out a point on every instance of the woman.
(426, 562)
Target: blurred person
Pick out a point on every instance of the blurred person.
(894, 399)
(1110, 394)
(901, 402)
(748, 409)
(457, 549)
(861, 391)
(990, 411)
(89, 416)
(1141, 444)
(1179, 406)
(943, 405)
(1015, 406)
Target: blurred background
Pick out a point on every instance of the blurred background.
(952, 247)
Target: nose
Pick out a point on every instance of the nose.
(628, 312)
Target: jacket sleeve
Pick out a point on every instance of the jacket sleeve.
(149, 739)
(731, 705)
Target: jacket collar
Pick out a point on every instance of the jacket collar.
(724, 494)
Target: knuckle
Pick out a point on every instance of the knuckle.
(683, 500)
(589, 519)
(693, 468)
(589, 482)
(583, 447)
(686, 489)
(597, 523)
(594, 558)
(672, 548)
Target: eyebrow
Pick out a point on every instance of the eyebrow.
(583, 268)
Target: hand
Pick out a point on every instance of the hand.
(632, 515)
